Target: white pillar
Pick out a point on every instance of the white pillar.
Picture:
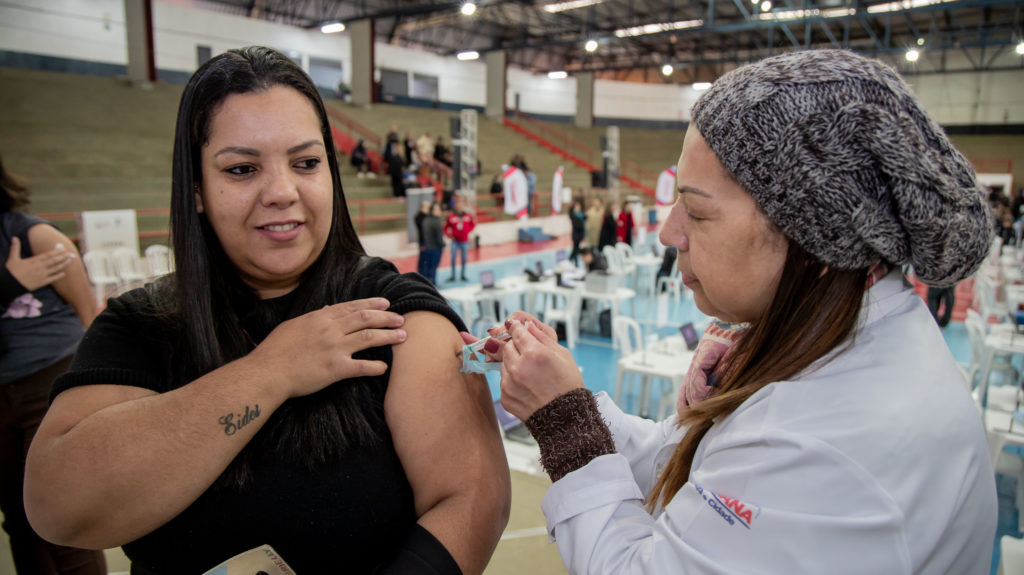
(584, 100)
(362, 37)
(138, 29)
(496, 82)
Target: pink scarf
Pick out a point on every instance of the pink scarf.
(707, 368)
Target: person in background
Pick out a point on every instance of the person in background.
(361, 160)
(458, 227)
(396, 168)
(609, 226)
(624, 224)
(425, 149)
(940, 303)
(433, 244)
(825, 426)
(421, 261)
(595, 218)
(579, 223)
(593, 260)
(46, 302)
(281, 387)
(410, 149)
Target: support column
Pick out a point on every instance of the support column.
(584, 100)
(138, 29)
(361, 35)
(496, 84)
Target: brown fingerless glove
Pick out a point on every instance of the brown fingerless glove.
(570, 432)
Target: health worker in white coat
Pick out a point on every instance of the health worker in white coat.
(824, 426)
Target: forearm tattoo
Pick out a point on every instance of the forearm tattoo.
(233, 422)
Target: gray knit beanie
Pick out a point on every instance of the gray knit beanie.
(841, 156)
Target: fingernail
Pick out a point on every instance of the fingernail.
(59, 246)
(508, 324)
(401, 333)
(491, 346)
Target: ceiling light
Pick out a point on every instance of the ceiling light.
(912, 55)
(468, 9)
(332, 28)
(920, 41)
(471, 55)
(667, 69)
(701, 86)
(571, 5)
(558, 75)
(1020, 48)
(590, 46)
(657, 28)
(766, 6)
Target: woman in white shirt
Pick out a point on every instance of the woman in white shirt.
(824, 426)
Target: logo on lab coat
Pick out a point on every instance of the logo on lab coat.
(733, 511)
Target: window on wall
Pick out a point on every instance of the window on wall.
(394, 83)
(424, 87)
(326, 74)
(203, 53)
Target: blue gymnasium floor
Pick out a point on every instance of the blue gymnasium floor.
(598, 359)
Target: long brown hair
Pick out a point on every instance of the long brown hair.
(813, 312)
(15, 191)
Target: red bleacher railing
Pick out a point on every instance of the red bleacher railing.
(345, 142)
(560, 138)
(631, 172)
(627, 179)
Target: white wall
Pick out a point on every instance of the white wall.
(540, 94)
(643, 101)
(969, 98)
(458, 82)
(87, 30)
(93, 30)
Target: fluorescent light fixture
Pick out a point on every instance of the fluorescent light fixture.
(471, 55)
(904, 5)
(571, 5)
(701, 86)
(332, 28)
(657, 27)
(1020, 49)
(667, 69)
(558, 75)
(912, 55)
(766, 6)
(590, 46)
(468, 9)
(782, 15)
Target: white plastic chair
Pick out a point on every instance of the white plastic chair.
(569, 315)
(128, 267)
(158, 260)
(634, 361)
(1001, 362)
(985, 293)
(626, 259)
(614, 259)
(100, 268)
(672, 283)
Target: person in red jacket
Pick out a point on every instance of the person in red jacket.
(457, 227)
(624, 221)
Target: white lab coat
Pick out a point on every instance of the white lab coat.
(515, 187)
(665, 189)
(876, 463)
(556, 192)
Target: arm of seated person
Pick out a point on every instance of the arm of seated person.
(446, 435)
(74, 286)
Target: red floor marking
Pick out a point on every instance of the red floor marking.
(486, 253)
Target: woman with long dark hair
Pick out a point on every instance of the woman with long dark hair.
(281, 387)
(824, 426)
(46, 303)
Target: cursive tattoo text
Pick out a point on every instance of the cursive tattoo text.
(232, 422)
